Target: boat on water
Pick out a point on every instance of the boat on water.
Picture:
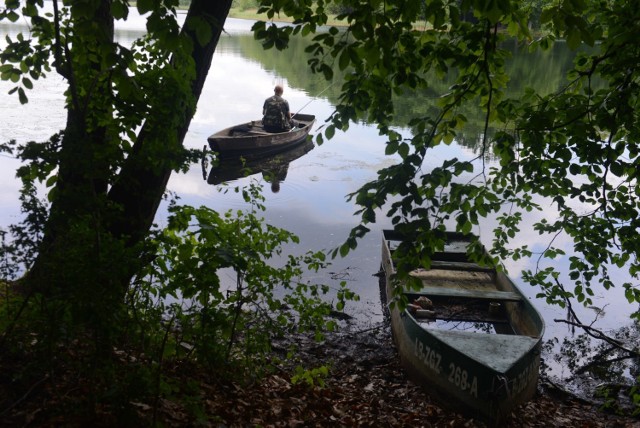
(273, 168)
(467, 333)
(250, 140)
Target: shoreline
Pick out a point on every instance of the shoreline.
(253, 15)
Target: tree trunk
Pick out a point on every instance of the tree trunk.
(141, 185)
(91, 248)
(80, 188)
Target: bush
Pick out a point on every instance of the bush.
(221, 325)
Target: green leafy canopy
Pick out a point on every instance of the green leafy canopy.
(573, 152)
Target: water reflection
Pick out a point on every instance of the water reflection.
(273, 168)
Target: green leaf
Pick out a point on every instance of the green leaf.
(30, 10)
(330, 132)
(327, 71)
(144, 6)
(617, 169)
(403, 150)
(344, 59)
(573, 38)
(12, 16)
(344, 250)
(454, 15)
(27, 83)
(51, 181)
(119, 10)
(204, 34)
(391, 148)
(22, 96)
(628, 293)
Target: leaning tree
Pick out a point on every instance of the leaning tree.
(95, 268)
(128, 110)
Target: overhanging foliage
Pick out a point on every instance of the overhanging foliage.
(571, 155)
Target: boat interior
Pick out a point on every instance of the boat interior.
(255, 128)
(464, 300)
(471, 312)
(468, 297)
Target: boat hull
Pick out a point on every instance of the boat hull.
(251, 141)
(457, 367)
(233, 169)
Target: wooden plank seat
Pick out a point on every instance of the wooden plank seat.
(494, 295)
(463, 266)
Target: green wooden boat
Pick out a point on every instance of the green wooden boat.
(477, 346)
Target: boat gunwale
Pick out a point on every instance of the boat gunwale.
(224, 133)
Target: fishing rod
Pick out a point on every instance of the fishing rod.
(313, 99)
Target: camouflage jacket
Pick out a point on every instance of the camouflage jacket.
(276, 113)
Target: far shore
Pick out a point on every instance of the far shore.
(252, 14)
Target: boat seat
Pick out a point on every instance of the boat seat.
(464, 266)
(493, 295)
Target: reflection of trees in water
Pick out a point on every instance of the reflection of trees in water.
(468, 326)
(542, 70)
(600, 366)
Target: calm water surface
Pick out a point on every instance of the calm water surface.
(311, 202)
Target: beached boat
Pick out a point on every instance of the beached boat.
(474, 341)
(273, 167)
(250, 140)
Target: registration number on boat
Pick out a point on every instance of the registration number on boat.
(457, 375)
(524, 378)
(460, 378)
(428, 356)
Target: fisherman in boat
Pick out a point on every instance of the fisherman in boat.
(276, 116)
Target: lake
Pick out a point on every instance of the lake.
(311, 201)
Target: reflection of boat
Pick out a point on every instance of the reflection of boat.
(251, 140)
(477, 347)
(274, 168)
